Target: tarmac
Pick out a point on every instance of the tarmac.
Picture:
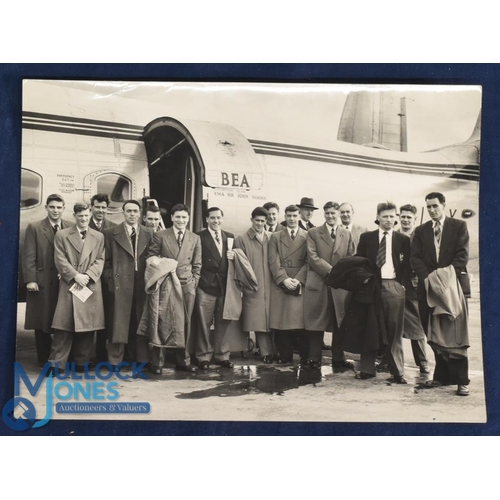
(254, 391)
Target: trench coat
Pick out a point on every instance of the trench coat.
(287, 259)
(323, 253)
(76, 256)
(39, 267)
(122, 282)
(256, 305)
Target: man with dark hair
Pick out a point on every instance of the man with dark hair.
(324, 308)
(273, 211)
(412, 325)
(152, 218)
(99, 204)
(389, 255)
(346, 213)
(438, 244)
(256, 305)
(216, 247)
(79, 258)
(126, 249)
(180, 244)
(40, 274)
(288, 266)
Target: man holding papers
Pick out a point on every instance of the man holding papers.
(79, 258)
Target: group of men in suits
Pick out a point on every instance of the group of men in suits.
(292, 307)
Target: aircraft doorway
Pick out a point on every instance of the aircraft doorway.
(174, 172)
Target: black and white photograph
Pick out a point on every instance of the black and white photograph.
(282, 252)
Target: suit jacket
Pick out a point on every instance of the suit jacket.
(188, 257)
(454, 250)
(323, 253)
(368, 247)
(287, 259)
(214, 265)
(76, 256)
(105, 225)
(122, 281)
(39, 267)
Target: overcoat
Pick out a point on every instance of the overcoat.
(39, 267)
(76, 256)
(453, 250)
(122, 281)
(256, 305)
(287, 259)
(323, 253)
(356, 232)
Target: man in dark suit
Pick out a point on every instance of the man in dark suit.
(273, 211)
(211, 291)
(99, 204)
(79, 258)
(127, 245)
(389, 253)
(152, 218)
(439, 243)
(40, 274)
(346, 213)
(182, 245)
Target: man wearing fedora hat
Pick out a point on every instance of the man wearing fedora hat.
(307, 209)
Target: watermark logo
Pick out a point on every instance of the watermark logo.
(72, 391)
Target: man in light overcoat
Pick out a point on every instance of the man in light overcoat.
(79, 258)
(324, 307)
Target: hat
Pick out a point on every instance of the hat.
(307, 203)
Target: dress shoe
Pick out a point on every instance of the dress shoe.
(183, 368)
(314, 365)
(326, 347)
(284, 361)
(397, 379)
(268, 359)
(463, 390)
(204, 365)
(305, 363)
(363, 376)
(51, 371)
(382, 367)
(433, 383)
(424, 369)
(342, 366)
(225, 363)
(155, 369)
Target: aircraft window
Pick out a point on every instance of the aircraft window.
(31, 189)
(116, 186)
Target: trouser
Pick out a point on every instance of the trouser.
(340, 300)
(418, 349)
(101, 354)
(393, 306)
(62, 344)
(309, 343)
(209, 309)
(367, 362)
(312, 345)
(451, 370)
(43, 343)
(265, 341)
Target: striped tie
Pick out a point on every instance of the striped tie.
(437, 232)
(381, 254)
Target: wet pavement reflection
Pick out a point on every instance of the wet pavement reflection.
(248, 379)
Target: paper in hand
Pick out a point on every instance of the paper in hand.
(82, 293)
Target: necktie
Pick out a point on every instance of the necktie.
(132, 239)
(83, 233)
(437, 231)
(270, 229)
(179, 238)
(381, 254)
(99, 224)
(332, 234)
(217, 239)
(56, 228)
(292, 234)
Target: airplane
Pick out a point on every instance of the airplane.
(78, 145)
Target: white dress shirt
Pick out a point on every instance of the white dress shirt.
(218, 245)
(387, 270)
(437, 244)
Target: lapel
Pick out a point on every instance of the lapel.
(75, 239)
(120, 235)
(445, 235)
(428, 238)
(253, 236)
(211, 247)
(143, 240)
(172, 244)
(325, 235)
(184, 250)
(396, 246)
(285, 238)
(374, 244)
(48, 231)
(88, 245)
